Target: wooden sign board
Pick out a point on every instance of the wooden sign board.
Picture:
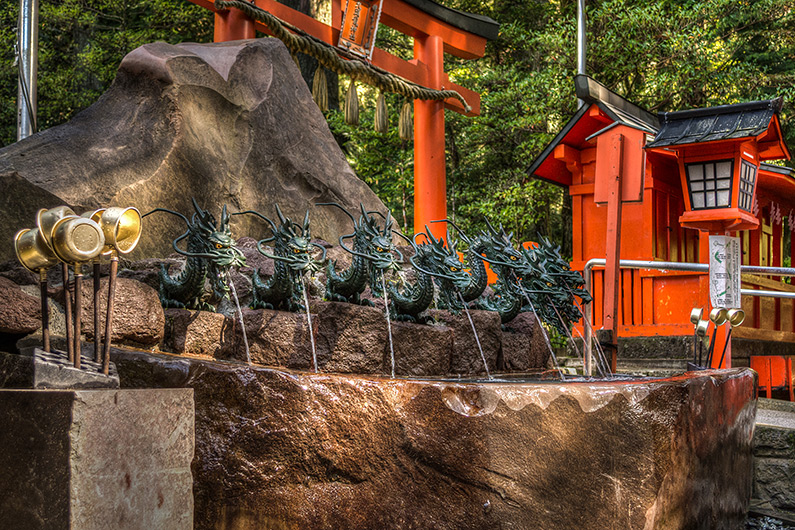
(633, 165)
(359, 26)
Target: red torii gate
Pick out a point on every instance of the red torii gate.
(436, 30)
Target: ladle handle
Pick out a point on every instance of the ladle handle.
(114, 269)
(97, 331)
(45, 311)
(67, 309)
(78, 313)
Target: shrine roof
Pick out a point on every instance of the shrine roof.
(726, 122)
(613, 110)
(479, 25)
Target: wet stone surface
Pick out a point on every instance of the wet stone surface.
(277, 449)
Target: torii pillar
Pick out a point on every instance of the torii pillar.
(436, 30)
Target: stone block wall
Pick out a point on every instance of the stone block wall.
(96, 459)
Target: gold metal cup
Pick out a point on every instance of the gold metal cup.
(77, 239)
(702, 327)
(695, 315)
(32, 251)
(718, 316)
(122, 229)
(47, 219)
(735, 316)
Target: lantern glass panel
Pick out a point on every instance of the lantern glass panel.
(710, 184)
(747, 181)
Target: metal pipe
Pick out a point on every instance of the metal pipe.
(581, 42)
(676, 266)
(28, 67)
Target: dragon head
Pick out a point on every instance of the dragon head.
(217, 244)
(379, 246)
(499, 250)
(440, 260)
(292, 243)
(371, 241)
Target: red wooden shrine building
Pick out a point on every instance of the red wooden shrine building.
(612, 145)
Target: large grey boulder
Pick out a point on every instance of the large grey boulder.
(226, 123)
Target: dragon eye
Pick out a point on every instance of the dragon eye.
(219, 245)
(296, 251)
(379, 249)
(513, 258)
(454, 269)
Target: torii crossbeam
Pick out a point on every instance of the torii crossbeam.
(436, 30)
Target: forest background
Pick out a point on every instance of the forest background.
(663, 55)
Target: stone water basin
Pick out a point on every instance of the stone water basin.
(279, 449)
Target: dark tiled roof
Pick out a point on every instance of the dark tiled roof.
(619, 109)
(781, 170)
(480, 25)
(726, 122)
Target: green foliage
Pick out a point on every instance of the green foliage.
(81, 43)
(663, 55)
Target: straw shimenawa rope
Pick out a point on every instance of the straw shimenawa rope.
(329, 57)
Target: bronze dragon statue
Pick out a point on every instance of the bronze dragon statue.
(549, 284)
(373, 254)
(293, 259)
(211, 253)
(432, 260)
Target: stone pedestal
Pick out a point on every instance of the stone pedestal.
(96, 459)
(39, 369)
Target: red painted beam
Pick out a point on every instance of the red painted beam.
(409, 20)
(410, 70)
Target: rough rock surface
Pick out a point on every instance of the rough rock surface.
(420, 350)
(524, 347)
(20, 313)
(138, 318)
(199, 333)
(351, 338)
(96, 459)
(275, 338)
(466, 358)
(288, 450)
(226, 123)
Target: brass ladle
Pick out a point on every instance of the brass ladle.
(735, 317)
(76, 240)
(122, 229)
(695, 317)
(718, 316)
(45, 221)
(35, 255)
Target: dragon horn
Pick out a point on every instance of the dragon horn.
(429, 235)
(346, 212)
(306, 222)
(388, 222)
(281, 217)
(491, 228)
(168, 211)
(252, 212)
(224, 220)
(205, 218)
(457, 228)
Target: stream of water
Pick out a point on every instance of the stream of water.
(388, 323)
(477, 338)
(309, 322)
(543, 331)
(240, 315)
